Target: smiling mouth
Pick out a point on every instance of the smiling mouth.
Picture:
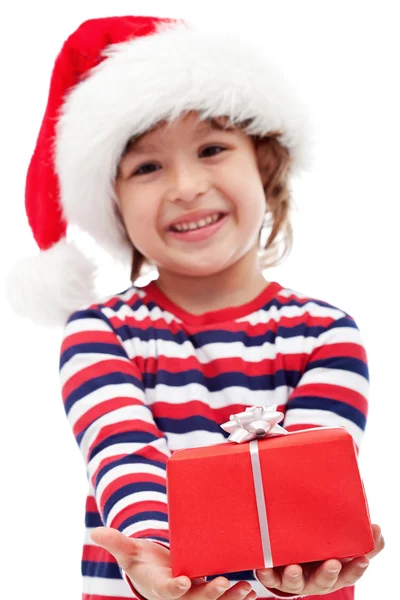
(184, 227)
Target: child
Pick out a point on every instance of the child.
(174, 148)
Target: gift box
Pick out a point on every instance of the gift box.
(267, 501)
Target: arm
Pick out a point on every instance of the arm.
(332, 391)
(124, 451)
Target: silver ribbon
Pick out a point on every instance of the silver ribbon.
(248, 426)
(254, 422)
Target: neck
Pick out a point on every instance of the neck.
(237, 285)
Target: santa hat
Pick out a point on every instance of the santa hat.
(116, 78)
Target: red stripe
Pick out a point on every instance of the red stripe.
(101, 409)
(345, 349)
(104, 367)
(146, 533)
(91, 504)
(219, 366)
(197, 408)
(335, 392)
(152, 454)
(137, 508)
(124, 426)
(89, 337)
(258, 329)
(97, 554)
(120, 482)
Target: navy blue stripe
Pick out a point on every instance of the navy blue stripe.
(95, 383)
(107, 570)
(92, 348)
(131, 459)
(345, 321)
(132, 488)
(144, 516)
(218, 336)
(344, 363)
(320, 403)
(93, 519)
(223, 380)
(234, 576)
(196, 423)
(124, 437)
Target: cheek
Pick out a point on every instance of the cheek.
(252, 204)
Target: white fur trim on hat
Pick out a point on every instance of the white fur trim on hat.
(48, 287)
(159, 77)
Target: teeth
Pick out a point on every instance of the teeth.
(196, 224)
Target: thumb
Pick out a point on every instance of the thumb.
(124, 549)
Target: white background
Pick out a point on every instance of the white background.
(342, 57)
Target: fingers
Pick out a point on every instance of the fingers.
(293, 580)
(325, 577)
(379, 541)
(220, 588)
(351, 572)
(123, 548)
(269, 578)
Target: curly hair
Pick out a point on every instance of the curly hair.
(274, 161)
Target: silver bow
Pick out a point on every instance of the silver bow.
(254, 422)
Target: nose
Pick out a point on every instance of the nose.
(187, 182)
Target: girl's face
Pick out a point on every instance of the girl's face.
(191, 196)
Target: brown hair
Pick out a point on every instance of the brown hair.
(274, 163)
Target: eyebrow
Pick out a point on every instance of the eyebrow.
(205, 126)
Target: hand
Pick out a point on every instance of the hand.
(147, 565)
(322, 577)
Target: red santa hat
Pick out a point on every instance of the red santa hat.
(116, 78)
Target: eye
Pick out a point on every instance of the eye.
(144, 169)
(148, 168)
(211, 148)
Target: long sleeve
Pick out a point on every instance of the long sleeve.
(333, 388)
(124, 451)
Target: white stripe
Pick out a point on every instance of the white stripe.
(340, 377)
(325, 418)
(131, 469)
(106, 587)
(81, 361)
(220, 399)
(107, 392)
(132, 499)
(124, 449)
(87, 539)
(121, 414)
(276, 314)
(218, 350)
(150, 524)
(340, 335)
(140, 314)
(86, 324)
(193, 439)
(251, 354)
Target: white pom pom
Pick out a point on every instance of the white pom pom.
(47, 288)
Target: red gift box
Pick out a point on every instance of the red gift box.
(315, 505)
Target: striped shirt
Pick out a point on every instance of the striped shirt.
(142, 378)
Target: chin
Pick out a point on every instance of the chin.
(201, 270)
